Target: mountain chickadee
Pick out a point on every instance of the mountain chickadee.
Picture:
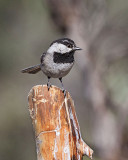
(57, 61)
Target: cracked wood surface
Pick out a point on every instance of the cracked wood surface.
(57, 131)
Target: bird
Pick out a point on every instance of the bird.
(57, 61)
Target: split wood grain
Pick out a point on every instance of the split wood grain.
(57, 132)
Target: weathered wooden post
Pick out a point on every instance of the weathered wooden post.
(57, 131)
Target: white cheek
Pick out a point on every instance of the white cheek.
(59, 48)
(63, 49)
(52, 48)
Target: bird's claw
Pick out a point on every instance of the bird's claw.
(49, 85)
(64, 91)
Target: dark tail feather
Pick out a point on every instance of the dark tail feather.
(32, 69)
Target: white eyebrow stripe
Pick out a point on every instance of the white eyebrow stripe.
(65, 41)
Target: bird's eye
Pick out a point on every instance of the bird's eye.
(69, 45)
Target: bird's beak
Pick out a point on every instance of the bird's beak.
(77, 48)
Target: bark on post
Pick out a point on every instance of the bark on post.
(57, 131)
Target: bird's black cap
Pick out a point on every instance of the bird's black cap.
(64, 41)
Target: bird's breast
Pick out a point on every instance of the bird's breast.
(55, 70)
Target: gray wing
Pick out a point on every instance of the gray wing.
(42, 58)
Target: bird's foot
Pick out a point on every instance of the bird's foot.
(64, 91)
(49, 85)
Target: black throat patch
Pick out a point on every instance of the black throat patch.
(63, 58)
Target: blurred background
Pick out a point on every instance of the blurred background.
(98, 83)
